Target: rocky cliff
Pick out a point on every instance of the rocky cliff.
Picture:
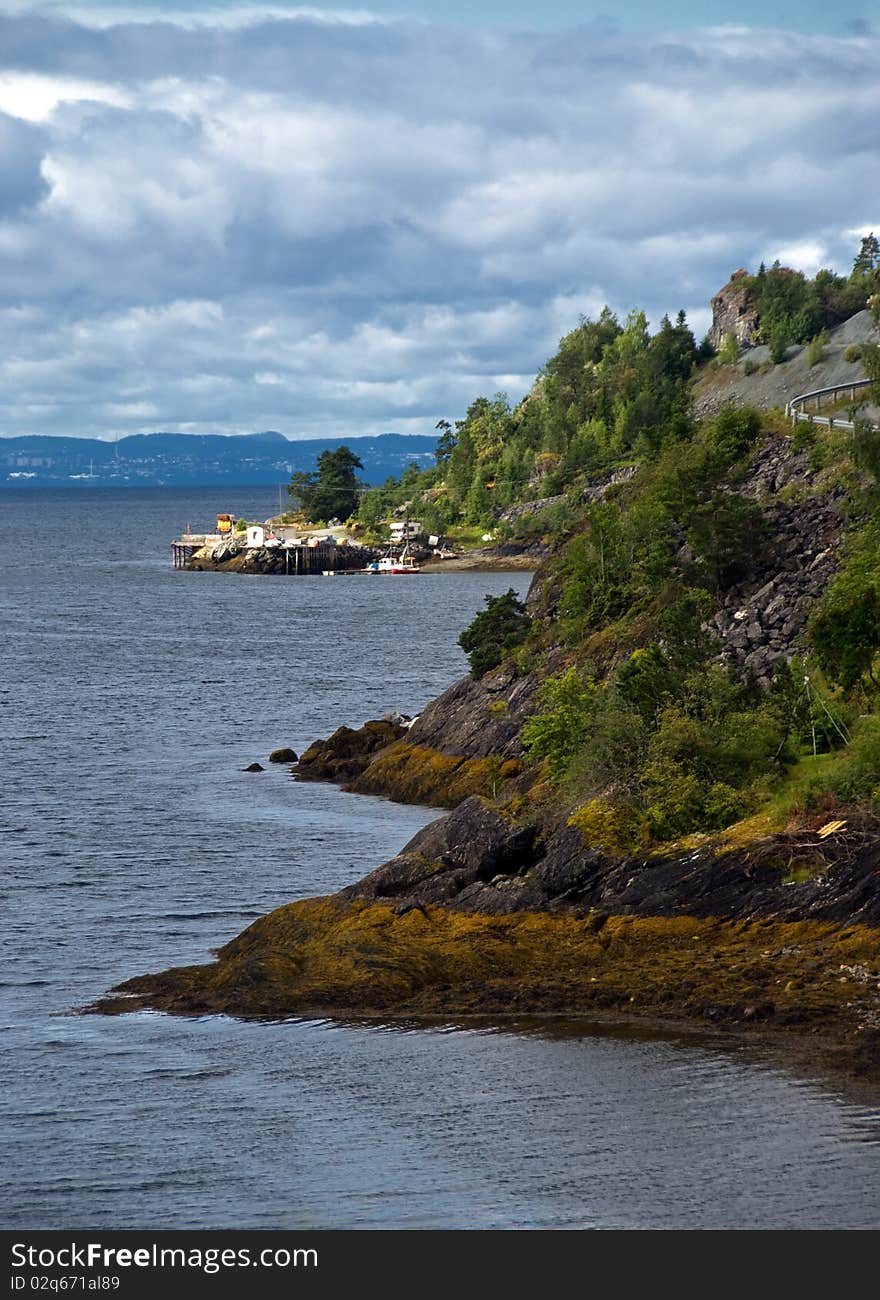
(733, 311)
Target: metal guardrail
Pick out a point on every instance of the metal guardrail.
(794, 409)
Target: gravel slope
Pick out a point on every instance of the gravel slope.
(779, 384)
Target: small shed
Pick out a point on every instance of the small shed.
(255, 536)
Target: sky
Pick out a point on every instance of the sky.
(332, 221)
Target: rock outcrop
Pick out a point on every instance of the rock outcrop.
(713, 940)
(733, 311)
(347, 753)
(476, 860)
(762, 618)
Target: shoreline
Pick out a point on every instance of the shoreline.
(801, 993)
(502, 912)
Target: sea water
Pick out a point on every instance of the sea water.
(132, 698)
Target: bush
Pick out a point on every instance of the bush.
(846, 634)
(845, 626)
(854, 774)
(495, 632)
(779, 341)
(732, 432)
(729, 350)
(853, 353)
(608, 826)
(750, 366)
(816, 348)
(558, 731)
(804, 436)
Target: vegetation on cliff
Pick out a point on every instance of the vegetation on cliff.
(612, 394)
(644, 721)
(790, 308)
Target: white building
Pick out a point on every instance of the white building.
(405, 528)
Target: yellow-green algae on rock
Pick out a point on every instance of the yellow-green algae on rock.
(324, 955)
(416, 774)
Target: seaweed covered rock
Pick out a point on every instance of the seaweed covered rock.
(348, 752)
(416, 774)
(332, 956)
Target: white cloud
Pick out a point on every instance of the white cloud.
(34, 97)
(336, 226)
(808, 255)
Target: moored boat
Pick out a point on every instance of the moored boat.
(388, 564)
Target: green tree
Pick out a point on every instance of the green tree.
(780, 337)
(845, 627)
(331, 491)
(445, 443)
(871, 362)
(557, 732)
(846, 637)
(495, 632)
(867, 260)
(728, 353)
(726, 533)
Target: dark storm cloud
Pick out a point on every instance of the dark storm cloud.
(322, 226)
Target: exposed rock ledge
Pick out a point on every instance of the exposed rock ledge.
(479, 915)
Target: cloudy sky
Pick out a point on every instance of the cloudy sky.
(224, 217)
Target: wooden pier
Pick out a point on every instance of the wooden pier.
(182, 553)
(325, 558)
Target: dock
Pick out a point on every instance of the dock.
(325, 558)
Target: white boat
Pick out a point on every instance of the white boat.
(388, 564)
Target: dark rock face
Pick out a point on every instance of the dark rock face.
(284, 755)
(476, 860)
(347, 753)
(474, 844)
(763, 617)
(478, 719)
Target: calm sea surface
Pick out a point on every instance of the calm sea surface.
(131, 840)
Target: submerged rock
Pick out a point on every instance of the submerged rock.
(254, 767)
(285, 755)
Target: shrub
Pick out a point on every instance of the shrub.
(729, 350)
(495, 632)
(732, 432)
(750, 366)
(726, 533)
(558, 731)
(779, 341)
(854, 775)
(853, 353)
(845, 626)
(846, 634)
(804, 436)
(816, 348)
(608, 826)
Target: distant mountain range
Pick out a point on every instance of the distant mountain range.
(188, 459)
